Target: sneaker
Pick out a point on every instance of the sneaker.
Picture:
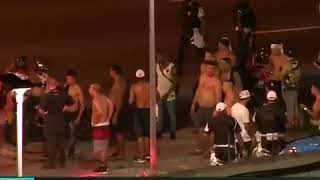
(102, 170)
(138, 160)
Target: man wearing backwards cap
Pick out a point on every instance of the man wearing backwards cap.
(240, 112)
(280, 64)
(270, 121)
(225, 129)
(139, 97)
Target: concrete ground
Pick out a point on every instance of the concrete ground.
(176, 158)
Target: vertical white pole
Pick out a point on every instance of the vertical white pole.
(152, 65)
(19, 98)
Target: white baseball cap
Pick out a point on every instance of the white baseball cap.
(272, 95)
(221, 107)
(140, 73)
(244, 94)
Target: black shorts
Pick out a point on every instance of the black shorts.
(203, 116)
(142, 122)
(225, 154)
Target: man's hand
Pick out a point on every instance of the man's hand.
(65, 109)
(77, 121)
(193, 110)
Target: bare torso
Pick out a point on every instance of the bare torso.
(207, 92)
(117, 92)
(280, 67)
(141, 92)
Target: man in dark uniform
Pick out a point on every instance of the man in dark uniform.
(192, 21)
(53, 105)
(245, 25)
(270, 120)
(226, 130)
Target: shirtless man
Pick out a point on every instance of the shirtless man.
(207, 95)
(74, 90)
(117, 95)
(315, 112)
(280, 65)
(225, 51)
(139, 97)
(102, 110)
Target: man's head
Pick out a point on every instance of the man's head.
(272, 96)
(95, 89)
(244, 96)
(224, 44)
(221, 108)
(71, 77)
(276, 49)
(211, 68)
(315, 89)
(208, 56)
(140, 75)
(163, 58)
(115, 71)
(52, 84)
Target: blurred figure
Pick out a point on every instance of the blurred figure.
(208, 94)
(271, 122)
(230, 75)
(119, 97)
(53, 105)
(241, 113)
(290, 88)
(166, 87)
(225, 131)
(3, 117)
(102, 110)
(245, 26)
(225, 51)
(280, 64)
(315, 112)
(209, 56)
(140, 99)
(193, 15)
(74, 118)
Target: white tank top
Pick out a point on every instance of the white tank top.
(164, 84)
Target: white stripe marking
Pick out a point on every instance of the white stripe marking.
(288, 30)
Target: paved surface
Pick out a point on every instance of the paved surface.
(175, 159)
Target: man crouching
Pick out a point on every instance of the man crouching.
(225, 130)
(102, 110)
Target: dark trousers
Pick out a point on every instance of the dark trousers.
(183, 47)
(56, 145)
(274, 147)
(225, 154)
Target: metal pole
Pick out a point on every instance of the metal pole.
(19, 98)
(152, 66)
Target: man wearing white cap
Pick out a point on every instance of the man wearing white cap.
(241, 113)
(225, 130)
(270, 120)
(140, 98)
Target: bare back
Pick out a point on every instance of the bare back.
(117, 93)
(140, 94)
(208, 91)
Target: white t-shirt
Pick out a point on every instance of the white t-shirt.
(242, 115)
(164, 83)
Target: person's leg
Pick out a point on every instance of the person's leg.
(52, 151)
(141, 147)
(146, 133)
(147, 146)
(72, 141)
(62, 150)
(120, 142)
(289, 101)
(171, 106)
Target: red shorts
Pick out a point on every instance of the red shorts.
(101, 133)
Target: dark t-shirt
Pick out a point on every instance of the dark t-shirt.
(224, 128)
(53, 102)
(270, 118)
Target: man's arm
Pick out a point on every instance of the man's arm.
(81, 106)
(71, 105)
(132, 95)
(194, 102)
(110, 109)
(218, 90)
(238, 82)
(99, 111)
(173, 82)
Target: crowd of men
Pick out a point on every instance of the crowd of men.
(228, 127)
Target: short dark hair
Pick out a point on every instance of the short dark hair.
(72, 73)
(116, 68)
